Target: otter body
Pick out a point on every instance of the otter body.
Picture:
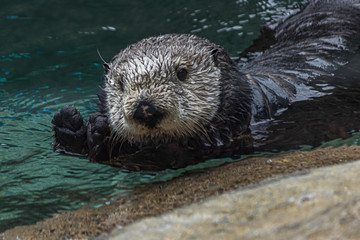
(175, 99)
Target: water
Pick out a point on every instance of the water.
(48, 58)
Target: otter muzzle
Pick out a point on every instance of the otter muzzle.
(147, 114)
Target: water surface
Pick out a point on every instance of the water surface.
(48, 58)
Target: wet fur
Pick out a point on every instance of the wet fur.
(147, 71)
(233, 97)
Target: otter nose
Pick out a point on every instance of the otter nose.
(147, 114)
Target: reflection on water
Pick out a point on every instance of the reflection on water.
(48, 59)
(334, 115)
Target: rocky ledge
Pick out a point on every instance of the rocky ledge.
(248, 199)
(316, 204)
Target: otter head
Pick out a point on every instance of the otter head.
(163, 88)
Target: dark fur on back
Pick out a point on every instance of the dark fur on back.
(309, 46)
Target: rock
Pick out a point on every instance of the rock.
(159, 198)
(321, 203)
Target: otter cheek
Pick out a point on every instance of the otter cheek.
(128, 108)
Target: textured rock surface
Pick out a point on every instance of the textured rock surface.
(158, 198)
(318, 204)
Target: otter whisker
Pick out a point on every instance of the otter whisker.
(102, 59)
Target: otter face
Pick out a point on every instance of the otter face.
(163, 88)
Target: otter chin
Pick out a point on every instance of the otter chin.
(169, 87)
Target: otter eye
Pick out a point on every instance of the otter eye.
(115, 82)
(182, 74)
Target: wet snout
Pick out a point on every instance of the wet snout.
(148, 114)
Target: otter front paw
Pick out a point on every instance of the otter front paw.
(98, 133)
(69, 132)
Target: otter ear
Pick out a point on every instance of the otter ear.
(220, 56)
(215, 55)
(106, 68)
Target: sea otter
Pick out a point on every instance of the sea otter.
(175, 99)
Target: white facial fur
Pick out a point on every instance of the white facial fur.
(147, 70)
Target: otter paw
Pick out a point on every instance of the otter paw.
(69, 132)
(98, 133)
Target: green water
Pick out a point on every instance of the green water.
(48, 58)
